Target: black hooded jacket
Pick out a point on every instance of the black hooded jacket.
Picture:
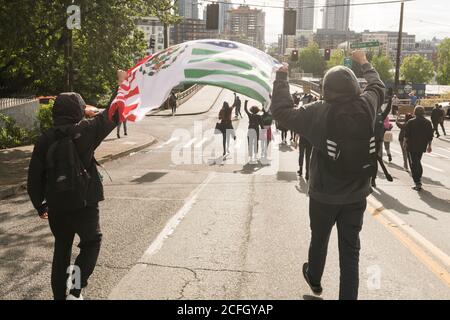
(340, 87)
(68, 116)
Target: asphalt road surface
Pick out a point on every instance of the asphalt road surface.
(180, 223)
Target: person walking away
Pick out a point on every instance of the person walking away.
(442, 120)
(379, 133)
(342, 162)
(65, 187)
(254, 124)
(418, 139)
(237, 104)
(437, 118)
(226, 126)
(305, 149)
(401, 139)
(266, 138)
(395, 105)
(388, 137)
(173, 103)
(121, 76)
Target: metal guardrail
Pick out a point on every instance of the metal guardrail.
(187, 93)
(315, 88)
(6, 103)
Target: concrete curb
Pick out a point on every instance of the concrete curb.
(187, 114)
(21, 187)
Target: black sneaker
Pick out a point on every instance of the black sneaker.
(390, 157)
(417, 187)
(317, 290)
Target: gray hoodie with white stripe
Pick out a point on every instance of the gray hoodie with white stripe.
(340, 87)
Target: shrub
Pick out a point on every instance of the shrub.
(12, 135)
(44, 116)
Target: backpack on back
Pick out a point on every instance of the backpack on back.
(67, 178)
(350, 144)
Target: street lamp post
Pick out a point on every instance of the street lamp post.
(399, 49)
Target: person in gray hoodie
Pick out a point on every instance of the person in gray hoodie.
(333, 200)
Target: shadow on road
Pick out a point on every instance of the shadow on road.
(390, 202)
(434, 202)
(309, 297)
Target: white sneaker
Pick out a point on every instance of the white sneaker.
(72, 297)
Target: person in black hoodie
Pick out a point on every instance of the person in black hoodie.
(254, 124)
(69, 116)
(333, 200)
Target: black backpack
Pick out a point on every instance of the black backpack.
(67, 179)
(350, 144)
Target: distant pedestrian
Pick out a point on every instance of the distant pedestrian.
(305, 149)
(121, 76)
(342, 162)
(401, 139)
(437, 118)
(65, 187)
(413, 98)
(388, 137)
(395, 105)
(237, 105)
(226, 126)
(173, 103)
(418, 139)
(266, 138)
(254, 125)
(379, 131)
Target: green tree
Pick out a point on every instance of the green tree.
(417, 69)
(34, 39)
(311, 61)
(336, 59)
(384, 66)
(443, 69)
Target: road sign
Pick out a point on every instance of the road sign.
(348, 62)
(361, 45)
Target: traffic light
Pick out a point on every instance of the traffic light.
(294, 55)
(290, 22)
(212, 16)
(327, 54)
(152, 43)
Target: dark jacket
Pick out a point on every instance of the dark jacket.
(437, 115)
(340, 86)
(254, 120)
(68, 115)
(379, 121)
(418, 134)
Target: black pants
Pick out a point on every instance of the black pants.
(124, 127)
(436, 128)
(64, 225)
(416, 166)
(305, 153)
(349, 221)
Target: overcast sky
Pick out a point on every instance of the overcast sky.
(424, 18)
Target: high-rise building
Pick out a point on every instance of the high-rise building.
(247, 26)
(191, 29)
(305, 13)
(188, 8)
(337, 15)
(224, 7)
(152, 28)
(389, 41)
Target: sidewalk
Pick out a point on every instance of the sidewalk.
(15, 161)
(201, 102)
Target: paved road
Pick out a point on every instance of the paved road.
(178, 223)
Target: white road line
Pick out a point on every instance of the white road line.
(189, 143)
(172, 224)
(198, 145)
(443, 149)
(413, 234)
(423, 164)
(432, 168)
(172, 139)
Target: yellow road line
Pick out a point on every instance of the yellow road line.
(414, 248)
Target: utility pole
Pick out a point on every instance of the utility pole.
(399, 50)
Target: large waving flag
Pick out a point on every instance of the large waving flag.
(222, 63)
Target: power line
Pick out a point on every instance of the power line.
(309, 7)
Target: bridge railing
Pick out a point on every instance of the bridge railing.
(315, 88)
(6, 103)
